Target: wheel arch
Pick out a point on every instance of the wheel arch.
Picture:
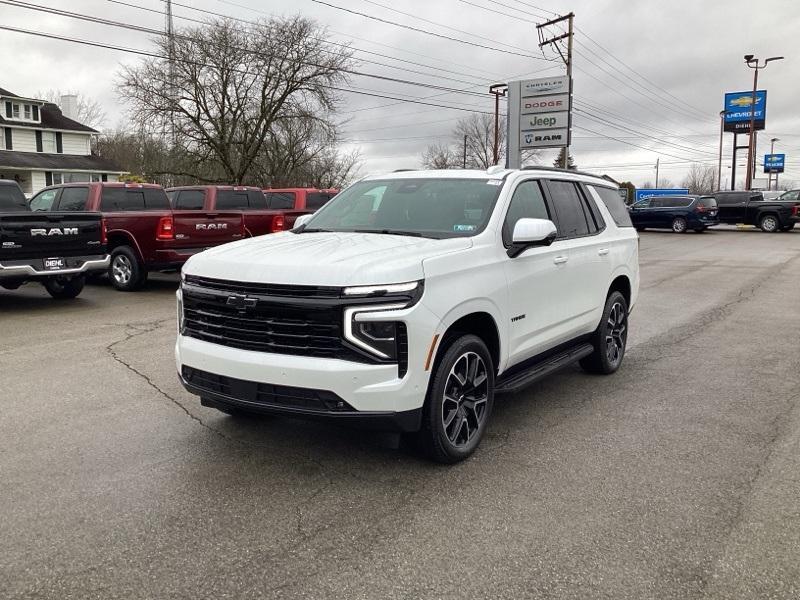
(622, 284)
(478, 318)
(122, 237)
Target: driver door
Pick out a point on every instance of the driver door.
(537, 279)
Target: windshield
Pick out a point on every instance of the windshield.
(437, 208)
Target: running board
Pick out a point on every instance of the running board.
(540, 370)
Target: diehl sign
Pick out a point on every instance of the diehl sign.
(739, 109)
(543, 104)
(544, 139)
(546, 121)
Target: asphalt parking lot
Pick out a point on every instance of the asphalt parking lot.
(678, 477)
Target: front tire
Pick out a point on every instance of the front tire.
(125, 272)
(769, 224)
(610, 338)
(459, 401)
(679, 225)
(63, 288)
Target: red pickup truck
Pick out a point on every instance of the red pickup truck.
(263, 212)
(293, 202)
(144, 234)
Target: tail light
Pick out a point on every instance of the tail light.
(165, 229)
(795, 210)
(103, 232)
(278, 223)
(701, 208)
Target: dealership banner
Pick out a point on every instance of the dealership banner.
(739, 108)
(647, 194)
(774, 163)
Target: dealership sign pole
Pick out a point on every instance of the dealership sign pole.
(539, 116)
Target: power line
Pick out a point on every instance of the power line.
(426, 32)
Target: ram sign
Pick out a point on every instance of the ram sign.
(538, 115)
(774, 163)
(738, 110)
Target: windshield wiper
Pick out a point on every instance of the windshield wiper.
(314, 230)
(392, 232)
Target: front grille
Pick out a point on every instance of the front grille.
(267, 394)
(292, 324)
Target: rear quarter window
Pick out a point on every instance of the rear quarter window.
(280, 200)
(257, 200)
(316, 200)
(616, 207)
(12, 199)
(231, 200)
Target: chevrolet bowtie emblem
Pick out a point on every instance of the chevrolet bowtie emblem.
(241, 302)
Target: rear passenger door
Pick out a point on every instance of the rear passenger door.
(73, 199)
(580, 227)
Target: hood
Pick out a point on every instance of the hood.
(334, 259)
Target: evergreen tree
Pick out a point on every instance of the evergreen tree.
(559, 162)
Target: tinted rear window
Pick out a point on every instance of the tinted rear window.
(280, 200)
(315, 200)
(676, 202)
(569, 210)
(12, 199)
(707, 201)
(231, 200)
(127, 199)
(190, 200)
(615, 205)
(257, 200)
(730, 198)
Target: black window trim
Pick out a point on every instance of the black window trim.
(576, 183)
(547, 205)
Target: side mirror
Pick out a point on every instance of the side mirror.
(531, 232)
(301, 220)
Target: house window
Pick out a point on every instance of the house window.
(49, 142)
(15, 112)
(27, 111)
(75, 177)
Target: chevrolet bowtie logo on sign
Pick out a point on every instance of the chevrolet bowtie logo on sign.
(241, 302)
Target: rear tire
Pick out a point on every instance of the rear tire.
(63, 288)
(610, 338)
(459, 401)
(125, 272)
(769, 224)
(679, 225)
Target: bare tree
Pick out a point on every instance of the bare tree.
(701, 179)
(90, 111)
(478, 130)
(231, 84)
(440, 156)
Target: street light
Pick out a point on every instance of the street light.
(752, 62)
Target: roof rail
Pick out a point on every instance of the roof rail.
(562, 170)
(403, 170)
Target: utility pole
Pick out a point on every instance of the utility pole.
(567, 61)
(465, 151)
(498, 89)
(752, 62)
(169, 28)
(658, 159)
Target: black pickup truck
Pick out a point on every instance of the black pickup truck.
(751, 208)
(56, 249)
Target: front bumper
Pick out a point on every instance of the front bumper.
(24, 270)
(250, 396)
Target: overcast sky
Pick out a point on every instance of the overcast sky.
(684, 55)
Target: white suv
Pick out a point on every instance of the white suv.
(411, 299)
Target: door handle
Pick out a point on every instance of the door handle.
(560, 260)
(603, 251)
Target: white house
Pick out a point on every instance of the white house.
(41, 145)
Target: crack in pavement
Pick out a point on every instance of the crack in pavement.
(149, 327)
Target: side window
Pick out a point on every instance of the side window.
(116, 199)
(190, 200)
(231, 200)
(280, 200)
(656, 203)
(316, 200)
(616, 206)
(569, 208)
(790, 196)
(526, 203)
(593, 215)
(73, 199)
(44, 200)
(155, 199)
(257, 200)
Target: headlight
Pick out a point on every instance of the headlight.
(380, 337)
(179, 297)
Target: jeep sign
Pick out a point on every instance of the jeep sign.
(545, 121)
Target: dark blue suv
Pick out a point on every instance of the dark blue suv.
(678, 213)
